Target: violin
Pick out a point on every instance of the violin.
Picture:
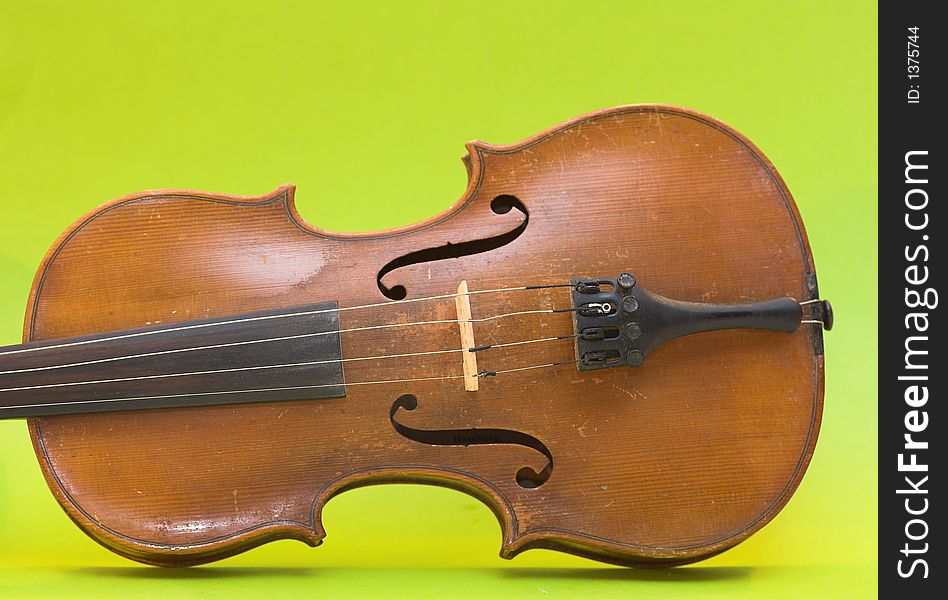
(613, 339)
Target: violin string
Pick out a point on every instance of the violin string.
(530, 368)
(278, 389)
(272, 339)
(265, 367)
(24, 350)
(279, 316)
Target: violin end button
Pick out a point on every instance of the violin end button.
(827, 314)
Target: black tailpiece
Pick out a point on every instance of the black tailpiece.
(619, 322)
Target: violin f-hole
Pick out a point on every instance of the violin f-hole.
(526, 477)
(500, 205)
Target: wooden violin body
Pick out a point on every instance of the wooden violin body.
(663, 464)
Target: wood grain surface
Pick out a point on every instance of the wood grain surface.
(668, 463)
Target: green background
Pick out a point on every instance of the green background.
(366, 106)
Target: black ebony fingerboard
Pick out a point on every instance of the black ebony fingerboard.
(234, 359)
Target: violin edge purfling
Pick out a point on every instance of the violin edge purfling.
(697, 478)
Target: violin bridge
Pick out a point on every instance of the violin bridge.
(468, 359)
